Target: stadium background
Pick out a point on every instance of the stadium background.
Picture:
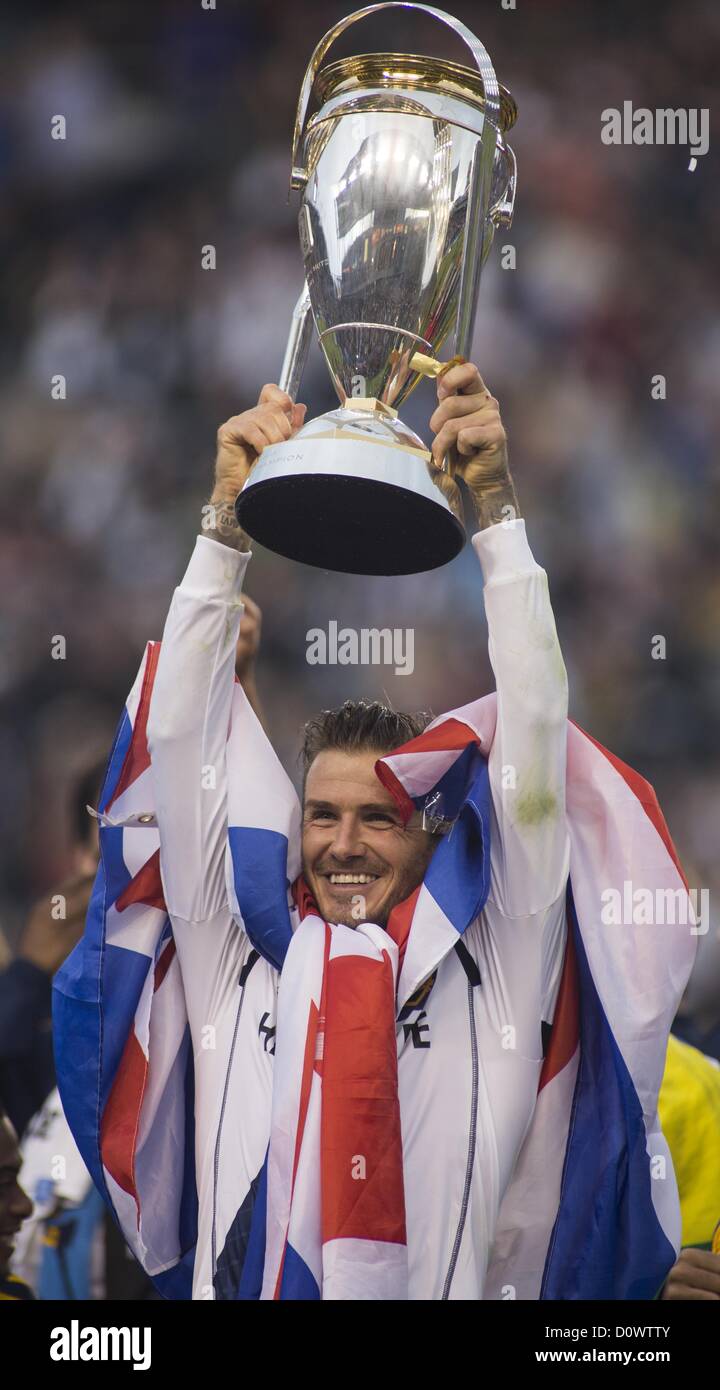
(179, 123)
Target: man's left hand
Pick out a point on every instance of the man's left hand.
(468, 428)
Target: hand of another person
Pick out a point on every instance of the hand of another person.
(695, 1275)
(56, 923)
(248, 644)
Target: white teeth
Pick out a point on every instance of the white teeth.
(353, 878)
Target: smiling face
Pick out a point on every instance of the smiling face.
(15, 1205)
(359, 860)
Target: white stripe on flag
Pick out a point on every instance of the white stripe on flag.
(530, 1205)
(301, 980)
(364, 1269)
(260, 794)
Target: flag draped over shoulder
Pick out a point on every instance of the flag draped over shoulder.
(591, 1210)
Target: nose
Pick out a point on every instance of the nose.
(347, 840)
(20, 1204)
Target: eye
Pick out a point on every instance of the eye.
(378, 818)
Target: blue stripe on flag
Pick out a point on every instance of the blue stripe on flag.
(260, 871)
(117, 874)
(455, 784)
(176, 1283)
(458, 875)
(89, 1040)
(77, 1032)
(77, 988)
(251, 1279)
(607, 1241)
(118, 753)
(297, 1281)
(188, 1218)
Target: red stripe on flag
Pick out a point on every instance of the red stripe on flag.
(163, 965)
(121, 1118)
(394, 786)
(316, 1020)
(146, 887)
(361, 1142)
(645, 795)
(565, 1033)
(137, 758)
(450, 736)
(303, 898)
(400, 922)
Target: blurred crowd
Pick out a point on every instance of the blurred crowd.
(179, 121)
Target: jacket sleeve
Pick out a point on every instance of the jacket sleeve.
(188, 727)
(530, 855)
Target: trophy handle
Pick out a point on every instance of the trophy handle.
(479, 52)
(476, 227)
(502, 213)
(298, 345)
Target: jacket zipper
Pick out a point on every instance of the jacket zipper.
(471, 1148)
(216, 1158)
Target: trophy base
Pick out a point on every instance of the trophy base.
(348, 501)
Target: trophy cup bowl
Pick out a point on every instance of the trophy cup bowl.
(404, 175)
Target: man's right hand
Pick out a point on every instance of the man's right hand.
(242, 438)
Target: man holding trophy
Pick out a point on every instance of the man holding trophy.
(376, 1045)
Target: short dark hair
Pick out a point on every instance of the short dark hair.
(357, 725)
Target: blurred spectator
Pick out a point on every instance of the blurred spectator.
(56, 923)
(689, 1107)
(15, 1207)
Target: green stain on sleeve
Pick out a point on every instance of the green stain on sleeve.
(534, 807)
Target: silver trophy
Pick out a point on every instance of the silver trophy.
(404, 175)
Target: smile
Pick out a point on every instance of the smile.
(352, 878)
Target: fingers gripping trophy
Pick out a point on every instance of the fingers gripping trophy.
(404, 175)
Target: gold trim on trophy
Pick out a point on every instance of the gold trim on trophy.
(340, 433)
(414, 72)
(370, 403)
(432, 366)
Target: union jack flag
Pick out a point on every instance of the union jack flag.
(591, 1210)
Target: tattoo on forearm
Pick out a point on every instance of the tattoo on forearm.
(219, 523)
(496, 504)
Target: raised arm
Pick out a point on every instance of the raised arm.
(192, 693)
(528, 755)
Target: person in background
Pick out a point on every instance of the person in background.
(690, 1115)
(15, 1206)
(27, 1066)
(246, 652)
(698, 1019)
